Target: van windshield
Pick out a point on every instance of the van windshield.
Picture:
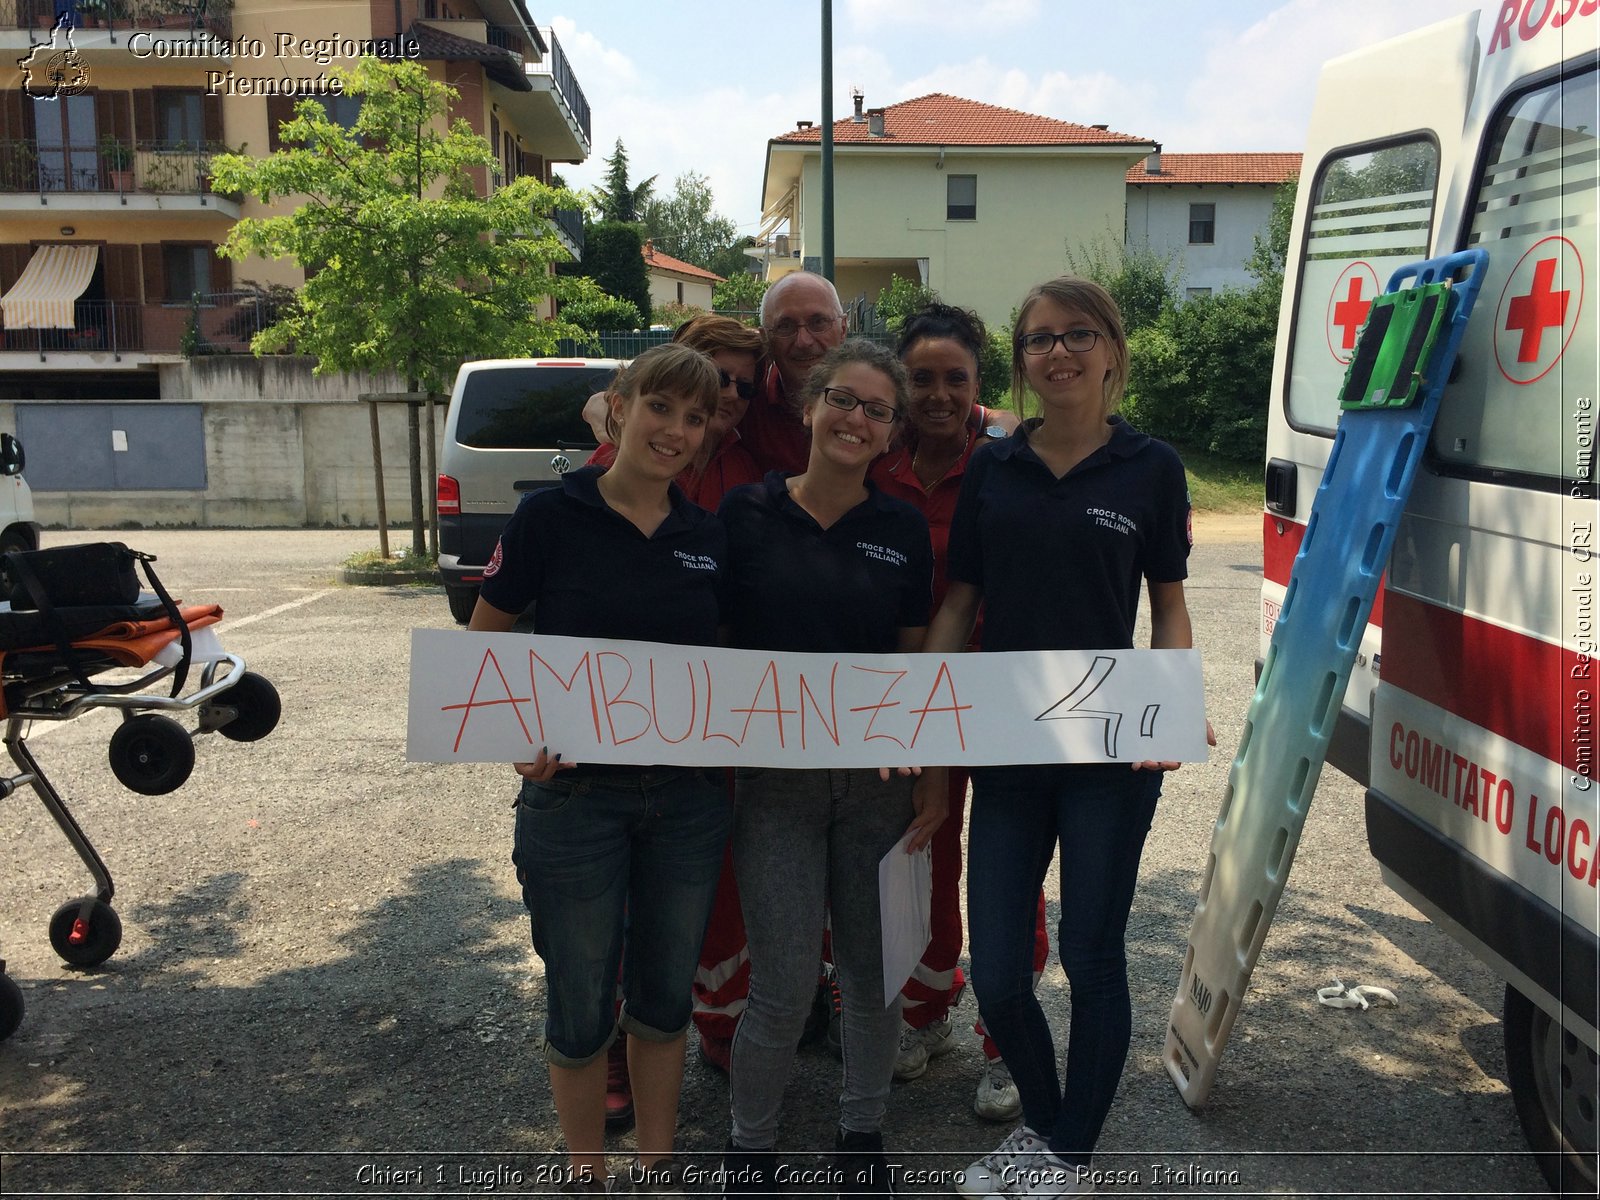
(520, 407)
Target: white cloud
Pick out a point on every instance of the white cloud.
(1251, 90)
(874, 15)
(613, 66)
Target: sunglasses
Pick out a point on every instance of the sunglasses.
(746, 388)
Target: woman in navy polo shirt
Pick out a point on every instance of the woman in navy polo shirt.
(1055, 530)
(619, 553)
(823, 561)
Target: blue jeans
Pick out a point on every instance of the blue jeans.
(608, 859)
(1099, 814)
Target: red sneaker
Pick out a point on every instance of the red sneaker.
(619, 1090)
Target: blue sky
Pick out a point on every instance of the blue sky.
(703, 86)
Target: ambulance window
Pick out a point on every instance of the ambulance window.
(1522, 403)
(1372, 211)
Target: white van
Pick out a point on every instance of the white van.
(514, 425)
(1470, 715)
(18, 529)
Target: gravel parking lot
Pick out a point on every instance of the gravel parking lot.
(325, 983)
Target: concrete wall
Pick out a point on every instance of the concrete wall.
(283, 448)
(1158, 217)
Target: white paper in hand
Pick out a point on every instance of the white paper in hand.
(905, 900)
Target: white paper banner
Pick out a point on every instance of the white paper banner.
(499, 697)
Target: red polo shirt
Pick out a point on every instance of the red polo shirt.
(894, 475)
(772, 429)
(730, 467)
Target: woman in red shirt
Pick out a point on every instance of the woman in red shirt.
(941, 347)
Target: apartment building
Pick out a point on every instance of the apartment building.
(110, 111)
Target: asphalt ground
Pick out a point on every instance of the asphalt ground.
(325, 983)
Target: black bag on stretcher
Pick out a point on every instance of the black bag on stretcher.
(83, 576)
(65, 592)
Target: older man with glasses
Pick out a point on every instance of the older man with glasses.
(803, 320)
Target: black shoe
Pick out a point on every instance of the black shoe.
(862, 1168)
(747, 1172)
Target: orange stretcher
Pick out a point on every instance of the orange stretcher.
(150, 752)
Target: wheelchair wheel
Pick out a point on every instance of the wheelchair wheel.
(256, 702)
(11, 1006)
(84, 941)
(151, 754)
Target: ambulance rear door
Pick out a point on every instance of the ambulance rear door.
(1385, 130)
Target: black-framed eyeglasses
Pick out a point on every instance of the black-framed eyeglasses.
(816, 326)
(746, 388)
(1079, 341)
(883, 414)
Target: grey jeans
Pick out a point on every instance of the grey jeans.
(806, 847)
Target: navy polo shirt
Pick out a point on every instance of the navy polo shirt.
(793, 585)
(1060, 560)
(590, 572)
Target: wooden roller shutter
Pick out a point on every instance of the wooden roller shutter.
(221, 273)
(279, 110)
(155, 276)
(144, 115)
(211, 118)
(121, 272)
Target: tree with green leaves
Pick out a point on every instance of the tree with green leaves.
(684, 225)
(1141, 281)
(613, 257)
(620, 201)
(732, 260)
(407, 268)
(1272, 249)
(739, 293)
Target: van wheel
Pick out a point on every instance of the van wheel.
(1552, 1076)
(462, 601)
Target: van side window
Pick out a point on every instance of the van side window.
(1523, 404)
(1371, 212)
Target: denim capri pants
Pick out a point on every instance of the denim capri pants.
(619, 866)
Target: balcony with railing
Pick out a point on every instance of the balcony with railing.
(53, 172)
(213, 17)
(557, 72)
(212, 323)
(569, 224)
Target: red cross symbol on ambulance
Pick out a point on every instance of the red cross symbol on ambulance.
(1348, 304)
(1538, 310)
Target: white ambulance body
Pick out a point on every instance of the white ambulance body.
(1470, 714)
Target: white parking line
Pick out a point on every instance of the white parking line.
(272, 612)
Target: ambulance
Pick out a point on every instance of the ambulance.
(1470, 714)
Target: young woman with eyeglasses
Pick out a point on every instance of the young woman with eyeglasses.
(823, 561)
(1055, 531)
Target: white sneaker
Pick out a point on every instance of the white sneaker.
(917, 1046)
(987, 1176)
(997, 1098)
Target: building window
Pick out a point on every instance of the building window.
(961, 198)
(341, 110)
(178, 120)
(1202, 224)
(680, 293)
(187, 270)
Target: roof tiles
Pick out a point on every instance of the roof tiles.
(1264, 168)
(944, 120)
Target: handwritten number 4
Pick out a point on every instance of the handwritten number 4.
(1068, 708)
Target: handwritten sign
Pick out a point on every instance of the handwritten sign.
(499, 697)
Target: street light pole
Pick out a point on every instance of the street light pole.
(827, 139)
